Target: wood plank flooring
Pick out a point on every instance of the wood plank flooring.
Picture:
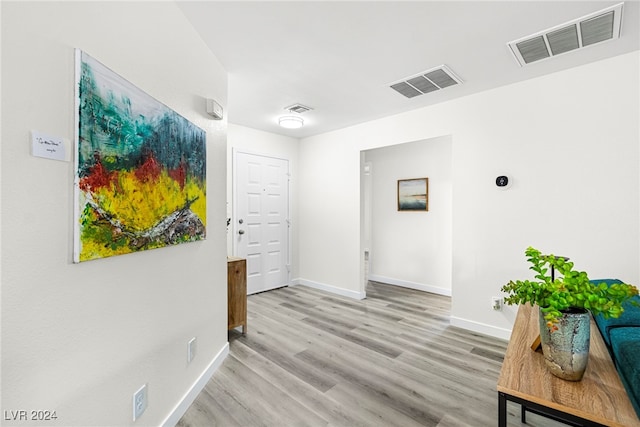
(312, 358)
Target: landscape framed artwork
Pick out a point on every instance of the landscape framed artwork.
(140, 168)
(413, 194)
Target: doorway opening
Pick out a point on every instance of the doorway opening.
(412, 249)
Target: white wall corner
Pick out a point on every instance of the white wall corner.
(481, 328)
(411, 285)
(196, 388)
(329, 288)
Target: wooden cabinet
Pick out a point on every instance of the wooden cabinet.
(237, 293)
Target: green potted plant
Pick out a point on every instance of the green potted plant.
(563, 296)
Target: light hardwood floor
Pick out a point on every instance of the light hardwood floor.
(312, 358)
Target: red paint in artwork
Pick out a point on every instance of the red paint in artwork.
(98, 177)
(149, 170)
(179, 175)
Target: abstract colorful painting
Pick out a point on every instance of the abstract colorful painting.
(140, 168)
(413, 194)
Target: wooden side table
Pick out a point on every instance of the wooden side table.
(599, 399)
(237, 293)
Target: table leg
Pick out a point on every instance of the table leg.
(502, 410)
(523, 414)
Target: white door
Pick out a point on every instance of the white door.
(261, 222)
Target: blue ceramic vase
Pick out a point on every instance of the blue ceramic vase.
(566, 349)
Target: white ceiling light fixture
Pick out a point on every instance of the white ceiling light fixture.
(579, 33)
(291, 122)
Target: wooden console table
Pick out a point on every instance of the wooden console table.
(237, 293)
(599, 399)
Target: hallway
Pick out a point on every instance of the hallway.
(312, 358)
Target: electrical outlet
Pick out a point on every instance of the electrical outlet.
(496, 303)
(191, 349)
(139, 402)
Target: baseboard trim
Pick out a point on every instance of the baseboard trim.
(482, 328)
(334, 290)
(410, 285)
(196, 388)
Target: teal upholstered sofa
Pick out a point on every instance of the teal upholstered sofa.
(622, 336)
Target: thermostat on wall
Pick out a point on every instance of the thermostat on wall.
(503, 182)
(214, 109)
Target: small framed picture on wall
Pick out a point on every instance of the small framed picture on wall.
(413, 194)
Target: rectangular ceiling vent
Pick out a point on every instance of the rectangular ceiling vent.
(577, 34)
(298, 108)
(427, 81)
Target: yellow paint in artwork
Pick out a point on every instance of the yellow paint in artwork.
(199, 207)
(138, 206)
(94, 250)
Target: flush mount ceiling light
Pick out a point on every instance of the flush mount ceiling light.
(594, 28)
(291, 122)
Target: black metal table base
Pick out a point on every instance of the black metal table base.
(538, 409)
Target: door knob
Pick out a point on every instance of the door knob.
(240, 231)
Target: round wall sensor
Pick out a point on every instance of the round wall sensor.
(503, 182)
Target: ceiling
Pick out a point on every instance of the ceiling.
(340, 57)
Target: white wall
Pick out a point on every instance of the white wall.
(248, 140)
(81, 339)
(572, 148)
(412, 249)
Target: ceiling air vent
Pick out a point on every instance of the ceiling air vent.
(427, 81)
(298, 108)
(579, 33)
